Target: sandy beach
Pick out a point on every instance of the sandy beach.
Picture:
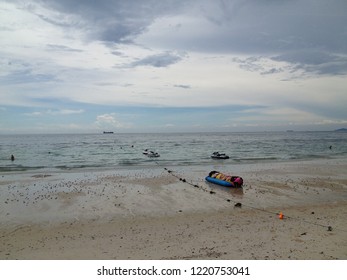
(170, 212)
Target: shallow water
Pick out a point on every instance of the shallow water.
(75, 151)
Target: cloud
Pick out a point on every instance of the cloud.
(252, 64)
(67, 112)
(281, 116)
(282, 30)
(55, 112)
(253, 26)
(315, 62)
(277, 29)
(108, 121)
(158, 60)
(17, 69)
(57, 19)
(183, 86)
(172, 54)
(111, 21)
(33, 114)
(260, 64)
(52, 47)
(26, 76)
(272, 71)
(296, 65)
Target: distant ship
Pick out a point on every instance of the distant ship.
(108, 132)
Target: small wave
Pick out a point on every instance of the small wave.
(255, 159)
(129, 162)
(19, 168)
(78, 166)
(309, 156)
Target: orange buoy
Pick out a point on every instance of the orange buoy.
(280, 215)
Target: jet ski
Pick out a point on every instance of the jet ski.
(217, 155)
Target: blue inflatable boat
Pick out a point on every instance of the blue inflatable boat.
(221, 179)
(219, 182)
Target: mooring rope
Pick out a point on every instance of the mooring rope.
(238, 204)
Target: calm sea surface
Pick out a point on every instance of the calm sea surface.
(66, 151)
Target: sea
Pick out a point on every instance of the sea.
(54, 152)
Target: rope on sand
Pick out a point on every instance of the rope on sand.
(239, 205)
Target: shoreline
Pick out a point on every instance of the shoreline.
(147, 213)
(155, 163)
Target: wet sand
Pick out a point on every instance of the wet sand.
(172, 213)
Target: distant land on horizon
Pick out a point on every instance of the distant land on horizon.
(112, 132)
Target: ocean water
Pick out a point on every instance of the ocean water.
(107, 151)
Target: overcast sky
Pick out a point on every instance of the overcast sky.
(172, 66)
